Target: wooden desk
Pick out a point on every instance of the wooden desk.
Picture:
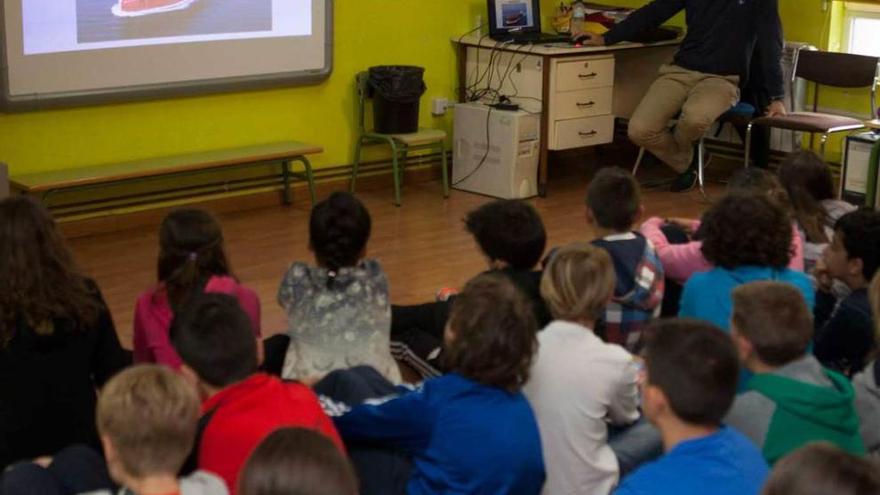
(578, 91)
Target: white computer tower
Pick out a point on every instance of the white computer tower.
(509, 169)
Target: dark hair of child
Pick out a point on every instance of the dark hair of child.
(190, 252)
(614, 198)
(40, 280)
(807, 180)
(339, 229)
(494, 330)
(213, 337)
(746, 230)
(509, 230)
(860, 234)
(297, 461)
(695, 365)
(822, 469)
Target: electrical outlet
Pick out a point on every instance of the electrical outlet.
(439, 106)
(478, 21)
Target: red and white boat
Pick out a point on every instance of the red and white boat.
(135, 8)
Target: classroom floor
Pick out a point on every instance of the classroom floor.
(422, 245)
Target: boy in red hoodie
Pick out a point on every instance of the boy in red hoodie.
(240, 406)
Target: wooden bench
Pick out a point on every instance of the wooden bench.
(48, 183)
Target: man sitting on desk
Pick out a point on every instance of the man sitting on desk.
(704, 78)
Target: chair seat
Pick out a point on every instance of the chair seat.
(823, 123)
(423, 136)
(740, 114)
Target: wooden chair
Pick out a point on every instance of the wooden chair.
(839, 70)
(401, 144)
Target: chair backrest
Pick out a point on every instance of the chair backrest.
(361, 79)
(839, 70)
(4, 181)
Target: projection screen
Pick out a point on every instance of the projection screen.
(74, 52)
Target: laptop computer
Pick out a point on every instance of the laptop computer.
(519, 21)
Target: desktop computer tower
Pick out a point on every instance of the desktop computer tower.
(495, 151)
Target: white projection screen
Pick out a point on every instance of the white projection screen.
(80, 52)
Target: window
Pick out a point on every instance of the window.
(861, 29)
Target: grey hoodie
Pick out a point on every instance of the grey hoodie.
(198, 483)
(867, 385)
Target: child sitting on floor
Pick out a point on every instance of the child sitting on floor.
(844, 329)
(678, 241)
(822, 469)
(791, 400)
(689, 384)
(579, 384)
(810, 187)
(296, 461)
(867, 383)
(472, 430)
(614, 204)
(240, 406)
(338, 311)
(747, 237)
(512, 238)
(192, 261)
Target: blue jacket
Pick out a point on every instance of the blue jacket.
(464, 437)
(707, 296)
(724, 463)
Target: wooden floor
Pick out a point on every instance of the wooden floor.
(422, 245)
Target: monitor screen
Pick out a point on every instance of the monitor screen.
(514, 15)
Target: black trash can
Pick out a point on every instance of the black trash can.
(396, 91)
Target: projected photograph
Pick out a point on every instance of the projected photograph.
(514, 15)
(119, 20)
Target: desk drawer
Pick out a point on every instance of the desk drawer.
(583, 103)
(576, 133)
(584, 74)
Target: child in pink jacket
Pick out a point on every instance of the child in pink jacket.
(191, 261)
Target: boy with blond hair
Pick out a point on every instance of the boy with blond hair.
(579, 383)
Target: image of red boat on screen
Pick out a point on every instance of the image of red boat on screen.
(136, 8)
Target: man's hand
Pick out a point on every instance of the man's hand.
(590, 39)
(776, 109)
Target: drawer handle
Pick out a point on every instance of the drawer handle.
(586, 105)
(588, 76)
(588, 134)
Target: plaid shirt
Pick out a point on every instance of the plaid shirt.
(639, 291)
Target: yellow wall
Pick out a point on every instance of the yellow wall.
(366, 33)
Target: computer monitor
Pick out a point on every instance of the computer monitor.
(511, 17)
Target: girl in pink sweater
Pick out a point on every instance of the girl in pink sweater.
(191, 261)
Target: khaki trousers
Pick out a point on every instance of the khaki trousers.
(699, 99)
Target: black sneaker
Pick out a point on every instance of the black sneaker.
(685, 181)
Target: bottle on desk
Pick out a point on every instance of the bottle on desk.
(578, 17)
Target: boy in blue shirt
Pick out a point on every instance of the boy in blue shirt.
(689, 385)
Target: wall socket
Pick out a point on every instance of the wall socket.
(478, 21)
(439, 106)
